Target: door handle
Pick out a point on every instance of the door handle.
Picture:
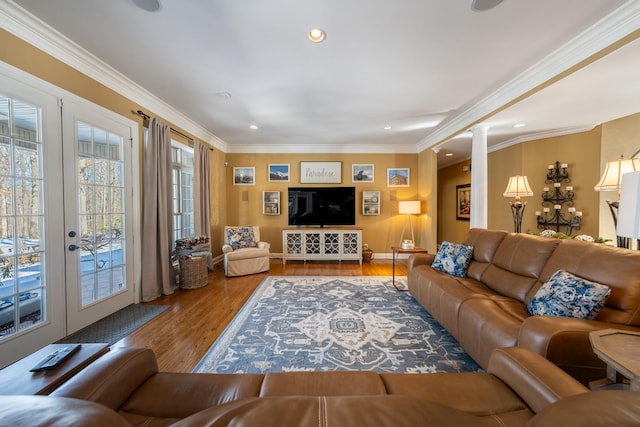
(73, 248)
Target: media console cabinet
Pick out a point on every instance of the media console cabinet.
(308, 244)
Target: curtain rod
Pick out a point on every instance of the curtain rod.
(146, 116)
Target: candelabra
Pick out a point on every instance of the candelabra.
(557, 219)
(557, 198)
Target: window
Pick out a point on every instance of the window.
(182, 180)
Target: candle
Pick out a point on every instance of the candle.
(564, 165)
(557, 207)
(538, 213)
(550, 167)
(546, 189)
(572, 209)
(569, 187)
(545, 210)
(556, 184)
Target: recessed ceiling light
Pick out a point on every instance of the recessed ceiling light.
(148, 5)
(449, 155)
(519, 125)
(482, 5)
(317, 35)
(253, 127)
(387, 127)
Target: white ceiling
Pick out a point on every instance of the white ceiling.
(428, 68)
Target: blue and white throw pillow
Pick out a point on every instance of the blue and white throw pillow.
(241, 237)
(453, 258)
(567, 295)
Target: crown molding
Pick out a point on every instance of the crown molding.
(539, 135)
(611, 29)
(38, 33)
(322, 149)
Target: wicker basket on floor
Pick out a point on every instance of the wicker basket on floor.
(193, 272)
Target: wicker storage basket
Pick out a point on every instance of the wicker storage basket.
(193, 272)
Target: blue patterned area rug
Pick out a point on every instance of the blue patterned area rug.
(334, 323)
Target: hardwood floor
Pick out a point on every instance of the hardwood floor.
(181, 335)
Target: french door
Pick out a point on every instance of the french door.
(97, 221)
(67, 214)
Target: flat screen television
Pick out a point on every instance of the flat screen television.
(322, 206)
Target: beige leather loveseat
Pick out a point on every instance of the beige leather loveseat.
(124, 388)
(488, 309)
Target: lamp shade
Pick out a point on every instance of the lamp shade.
(629, 209)
(518, 186)
(612, 176)
(409, 207)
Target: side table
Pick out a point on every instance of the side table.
(398, 250)
(619, 349)
(16, 379)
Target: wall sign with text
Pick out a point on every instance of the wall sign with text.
(320, 172)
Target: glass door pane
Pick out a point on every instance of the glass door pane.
(22, 276)
(100, 166)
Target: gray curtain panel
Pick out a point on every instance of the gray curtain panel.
(158, 276)
(202, 192)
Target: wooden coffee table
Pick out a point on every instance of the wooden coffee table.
(620, 350)
(16, 379)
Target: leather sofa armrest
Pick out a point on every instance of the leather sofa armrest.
(172, 395)
(419, 259)
(112, 378)
(46, 411)
(565, 342)
(226, 249)
(537, 381)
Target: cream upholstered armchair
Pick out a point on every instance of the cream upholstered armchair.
(243, 251)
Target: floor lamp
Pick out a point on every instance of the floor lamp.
(517, 187)
(408, 208)
(629, 210)
(611, 180)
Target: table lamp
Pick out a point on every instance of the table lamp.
(517, 187)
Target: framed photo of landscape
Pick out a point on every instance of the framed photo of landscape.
(463, 202)
(244, 176)
(397, 177)
(362, 172)
(279, 172)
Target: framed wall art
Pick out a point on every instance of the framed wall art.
(463, 202)
(370, 203)
(320, 172)
(244, 176)
(362, 172)
(397, 177)
(278, 173)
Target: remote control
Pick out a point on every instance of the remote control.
(54, 359)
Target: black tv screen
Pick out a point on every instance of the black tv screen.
(322, 206)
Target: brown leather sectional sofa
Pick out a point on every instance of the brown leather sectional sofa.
(520, 388)
(488, 309)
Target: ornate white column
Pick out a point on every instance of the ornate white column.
(479, 193)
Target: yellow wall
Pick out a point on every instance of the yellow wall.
(449, 228)
(581, 151)
(380, 232)
(427, 190)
